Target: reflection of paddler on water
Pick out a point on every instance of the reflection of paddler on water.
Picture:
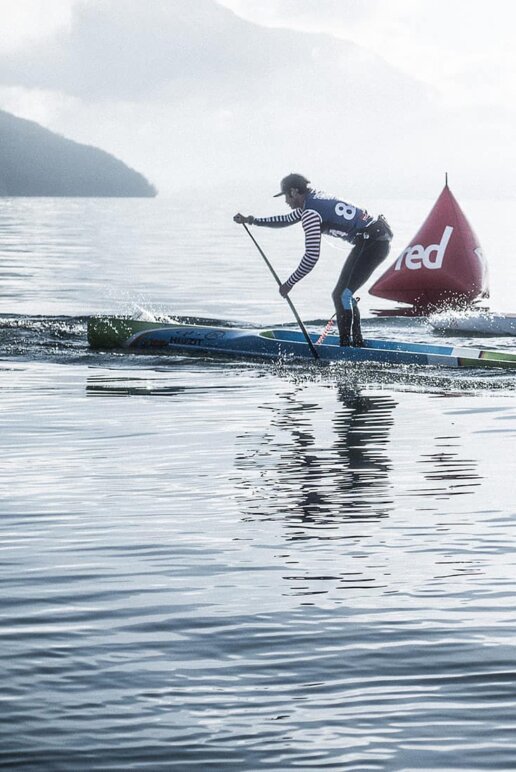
(322, 476)
(320, 213)
(361, 429)
(318, 466)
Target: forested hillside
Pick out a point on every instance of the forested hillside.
(36, 162)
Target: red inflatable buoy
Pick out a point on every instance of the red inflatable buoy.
(443, 265)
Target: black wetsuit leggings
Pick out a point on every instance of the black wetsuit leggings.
(364, 258)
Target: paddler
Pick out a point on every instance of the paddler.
(321, 213)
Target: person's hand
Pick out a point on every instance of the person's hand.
(241, 219)
(284, 290)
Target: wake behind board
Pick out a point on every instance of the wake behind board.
(475, 322)
(273, 344)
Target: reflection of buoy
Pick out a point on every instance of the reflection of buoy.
(443, 265)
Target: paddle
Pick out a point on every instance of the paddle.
(292, 307)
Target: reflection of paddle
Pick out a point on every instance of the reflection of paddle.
(278, 280)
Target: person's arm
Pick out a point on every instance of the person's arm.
(276, 221)
(280, 220)
(312, 226)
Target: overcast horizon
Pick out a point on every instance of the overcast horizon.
(367, 98)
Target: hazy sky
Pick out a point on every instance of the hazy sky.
(367, 97)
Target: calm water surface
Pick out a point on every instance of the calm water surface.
(237, 566)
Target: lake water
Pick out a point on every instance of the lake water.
(235, 565)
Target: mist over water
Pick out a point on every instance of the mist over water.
(234, 564)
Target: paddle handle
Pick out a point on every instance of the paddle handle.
(279, 283)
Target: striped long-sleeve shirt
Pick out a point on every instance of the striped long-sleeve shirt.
(311, 222)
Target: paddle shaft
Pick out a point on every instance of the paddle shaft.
(279, 283)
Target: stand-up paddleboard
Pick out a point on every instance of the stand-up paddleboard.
(442, 265)
(277, 343)
(474, 322)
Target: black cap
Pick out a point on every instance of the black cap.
(293, 181)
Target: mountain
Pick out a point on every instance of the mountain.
(195, 95)
(36, 162)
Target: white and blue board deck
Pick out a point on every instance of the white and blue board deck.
(169, 337)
